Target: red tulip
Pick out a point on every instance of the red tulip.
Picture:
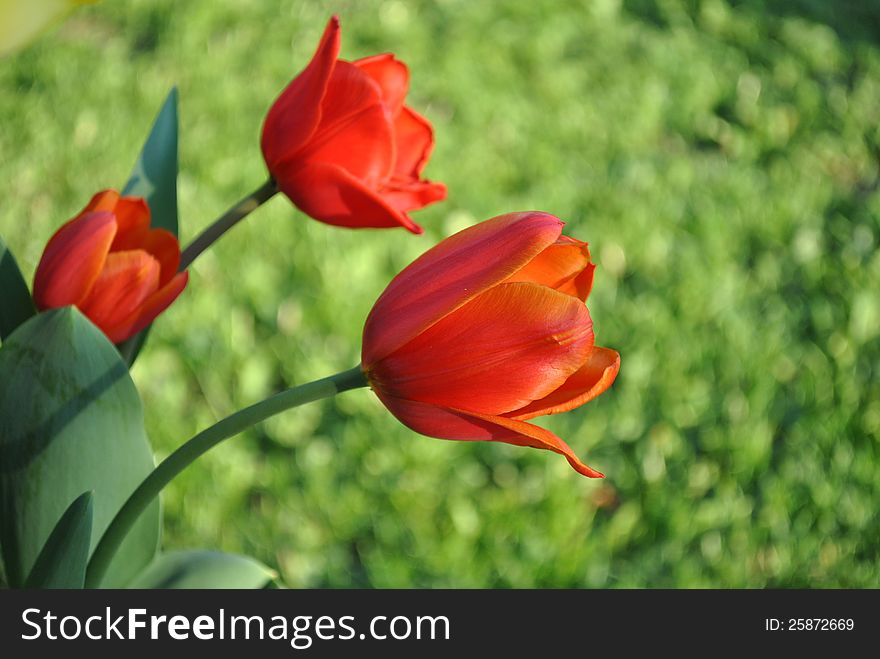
(487, 330)
(109, 263)
(341, 144)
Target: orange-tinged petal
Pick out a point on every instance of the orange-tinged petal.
(526, 434)
(102, 201)
(407, 197)
(391, 75)
(127, 280)
(133, 223)
(330, 194)
(355, 130)
(564, 266)
(163, 246)
(414, 141)
(73, 259)
(294, 116)
(580, 285)
(510, 345)
(594, 377)
(436, 421)
(450, 274)
(157, 303)
(446, 423)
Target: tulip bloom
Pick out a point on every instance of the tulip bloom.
(341, 144)
(109, 263)
(487, 330)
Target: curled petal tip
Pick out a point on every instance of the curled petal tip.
(331, 32)
(584, 470)
(592, 379)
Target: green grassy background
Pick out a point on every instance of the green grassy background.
(720, 157)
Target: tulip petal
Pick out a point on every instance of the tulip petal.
(405, 196)
(158, 302)
(163, 246)
(105, 200)
(512, 344)
(450, 274)
(330, 194)
(436, 421)
(391, 75)
(127, 280)
(355, 130)
(564, 266)
(132, 222)
(295, 114)
(527, 434)
(446, 423)
(73, 259)
(594, 377)
(580, 285)
(414, 141)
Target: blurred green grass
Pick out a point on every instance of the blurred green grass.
(722, 160)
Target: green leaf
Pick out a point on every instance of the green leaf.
(16, 305)
(155, 173)
(70, 421)
(62, 561)
(131, 348)
(204, 569)
(155, 178)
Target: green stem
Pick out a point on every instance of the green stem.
(226, 221)
(198, 445)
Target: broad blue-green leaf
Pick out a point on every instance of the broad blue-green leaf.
(70, 421)
(204, 569)
(62, 561)
(154, 176)
(16, 305)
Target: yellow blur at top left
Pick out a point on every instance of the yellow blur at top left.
(21, 21)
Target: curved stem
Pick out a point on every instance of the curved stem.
(226, 221)
(198, 445)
